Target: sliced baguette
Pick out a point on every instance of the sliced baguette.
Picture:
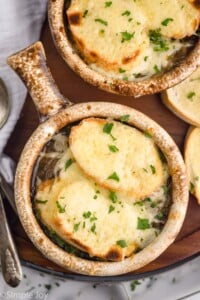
(184, 99)
(86, 216)
(98, 33)
(123, 160)
(115, 37)
(192, 160)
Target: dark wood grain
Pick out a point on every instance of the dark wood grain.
(73, 87)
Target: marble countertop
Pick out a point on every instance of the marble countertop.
(177, 284)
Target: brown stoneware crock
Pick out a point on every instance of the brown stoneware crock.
(154, 84)
(55, 113)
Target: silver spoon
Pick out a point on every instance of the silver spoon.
(8, 192)
(4, 104)
(11, 267)
(10, 263)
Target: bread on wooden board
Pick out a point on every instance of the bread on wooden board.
(184, 99)
(191, 153)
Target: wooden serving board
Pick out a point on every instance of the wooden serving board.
(187, 244)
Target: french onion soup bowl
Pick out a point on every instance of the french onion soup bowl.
(100, 188)
(132, 48)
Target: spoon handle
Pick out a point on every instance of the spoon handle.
(11, 268)
(8, 192)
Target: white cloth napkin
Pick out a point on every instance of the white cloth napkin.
(20, 25)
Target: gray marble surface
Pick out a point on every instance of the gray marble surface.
(177, 284)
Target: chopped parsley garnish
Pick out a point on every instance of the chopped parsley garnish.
(68, 163)
(122, 243)
(95, 197)
(143, 224)
(160, 216)
(190, 95)
(39, 201)
(111, 208)
(167, 21)
(141, 202)
(105, 23)
(192, 187)
(125, 118)
(153, 204)
(93, 228)
(108, 3)
(101, 32)
(85, 13)
(48, 286)
(87, 214)
(156, 69)
(114, 176)
(134, 284)
(145, 170)
(126, 36)
(157, 39)
(93, 218)
(113, 197)
(125, 78)
(165, 189)
(107, 128)
(137, 75)
(153, 169)
(126, 13)
(145, 58)
(147, 134)
(113, 148)
(61, 209)
(76, 226)
(122, 70)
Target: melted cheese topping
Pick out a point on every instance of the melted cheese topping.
(131, 39)
(87, 215)
(123, 151)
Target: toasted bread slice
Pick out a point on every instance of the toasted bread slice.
(176, 19)
(106, 36)
(192, 151)
(117, 156)
(88, 216)
(114, 36)
(183, 99)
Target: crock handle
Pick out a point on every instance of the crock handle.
(30, 64)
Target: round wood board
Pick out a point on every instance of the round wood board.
(187, 244)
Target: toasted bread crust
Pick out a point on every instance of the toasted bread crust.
(87, 222)
(191, 153)
(136, 161)
(183, 99)
(120, 39)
